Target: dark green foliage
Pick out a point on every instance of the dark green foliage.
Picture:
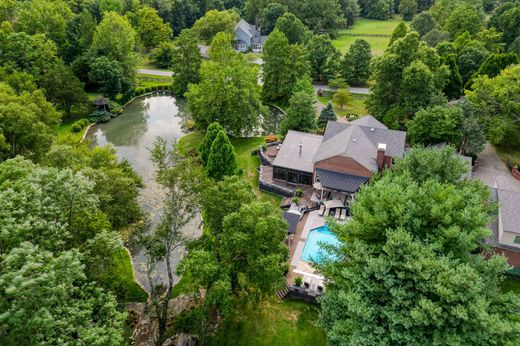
(327, 114)
(436, 36)
(436, 125)
(323, 57)
(505, 19)
(79, 125)
(222, 159)
(318, 15)
(355, 67)
(163, 55)
(407, 8)
(270, 16)
(376, 9)
(401, 264)
(109, 75)
(423, 23)
(464, 18)
(470, 59)
(493, 65)
(292, 28)
(350, 10)
(205, 146)
(301, 115)
(453, 88)
(473, 131)
(400, 31)
(186, 62)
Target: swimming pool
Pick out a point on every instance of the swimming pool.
(313, 251)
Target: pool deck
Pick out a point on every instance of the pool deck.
(309, 222)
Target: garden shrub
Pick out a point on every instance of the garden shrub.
(271, 138)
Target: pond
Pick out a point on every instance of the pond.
(132, 134)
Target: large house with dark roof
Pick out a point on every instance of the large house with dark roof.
(247, 37)
(506, 226)
(340, 161)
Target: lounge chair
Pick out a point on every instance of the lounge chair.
(338, 214)
(322, 209)
(343, 216)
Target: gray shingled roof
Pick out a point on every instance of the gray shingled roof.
(509, 208)
(340, 181)
(289, 155)
(246, 27)
(293, 220)
(369, 121)
(360, 142)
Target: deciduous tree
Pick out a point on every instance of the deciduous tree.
(436, 125)
(323, 57)
(342, 97)
(292, 28)
(423, 23)
(150, 27)
(356, 63)
(301, 115)
(186, 61)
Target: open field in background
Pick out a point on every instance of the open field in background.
(273, 323)
(246, 162)
(367, 27)
(356, 106)
(146, 62)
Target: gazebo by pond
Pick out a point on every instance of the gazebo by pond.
(102, 104)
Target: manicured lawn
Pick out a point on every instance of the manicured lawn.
(147, 64)
(246, 162)
(367, 27)
(511, 284)
(273, 323)
(145, 80)
(357, 106)
(64, 130)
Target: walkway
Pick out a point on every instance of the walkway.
(354, 90)
(490, 166)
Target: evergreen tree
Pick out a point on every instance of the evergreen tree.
(323, 57)
(453, 89)
(327, 114)
(356, 63)
(276, 69)
(186, 61)
(301, 115)
(423, 23)
(222, 159)
(205, 146)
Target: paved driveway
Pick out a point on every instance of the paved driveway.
(490, 166)
(155, 72)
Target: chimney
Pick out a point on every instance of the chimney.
(380, 160)
(301, 149)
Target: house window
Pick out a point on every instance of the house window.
(279, 173)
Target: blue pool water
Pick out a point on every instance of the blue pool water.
(313, 250)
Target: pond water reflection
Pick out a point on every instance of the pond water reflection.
(132, 134)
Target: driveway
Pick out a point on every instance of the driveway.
(155, 72)
(490, 166)
(354, 90)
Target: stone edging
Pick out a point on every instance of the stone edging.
(124, 106)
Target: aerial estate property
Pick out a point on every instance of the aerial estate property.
(260, 173)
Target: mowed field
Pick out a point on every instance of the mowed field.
(367, 27)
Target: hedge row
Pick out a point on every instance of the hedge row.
(79, 125)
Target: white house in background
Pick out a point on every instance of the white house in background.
(248, 37)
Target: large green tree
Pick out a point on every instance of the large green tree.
(301, 115)
(292, 28)
(210, 135)
(407, 9)
(214, 22)
(327, 114)
(323, 57)
(222, 159)
(410, 271)
(27, 123)
(376, 9)
(228, 90)
(496, 103)
(270, 16)
(350, 10)
(318, 15)
(186, 61)
(464, 18)
(283, 65)
(436, 125)
(150, 27)
(355, 66)
(423, 23)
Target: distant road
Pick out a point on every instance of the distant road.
(354, 90)
(155, 72)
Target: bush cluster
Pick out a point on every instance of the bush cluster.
(79, 125)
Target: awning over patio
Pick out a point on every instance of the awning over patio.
(340, 181)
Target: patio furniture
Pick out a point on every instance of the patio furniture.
(338, 213)
(322, 209)
(343, 216)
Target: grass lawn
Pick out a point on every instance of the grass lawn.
(124, 274)
(147, 64)
(357, 106)
(273, 323)
(506, 153)
(367, 27)
(65, 130)
(247, 162)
